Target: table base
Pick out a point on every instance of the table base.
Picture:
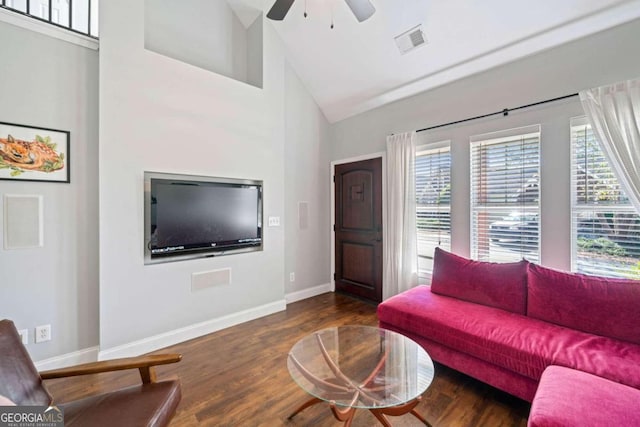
(346, 415)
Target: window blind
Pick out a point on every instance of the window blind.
(433, 204)
(605, 226)
(505, 209)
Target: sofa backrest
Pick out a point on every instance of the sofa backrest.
(500, 285)
(598, 305)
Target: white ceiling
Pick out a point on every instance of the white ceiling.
(355, 67)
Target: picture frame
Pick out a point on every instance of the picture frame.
(30, 153)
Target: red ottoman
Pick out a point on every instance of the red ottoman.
(566, 397)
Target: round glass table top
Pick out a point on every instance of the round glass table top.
(360, 367)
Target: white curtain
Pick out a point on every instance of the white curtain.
(614, 114)
(400, 240)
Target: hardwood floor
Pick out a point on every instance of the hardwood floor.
(238, 377)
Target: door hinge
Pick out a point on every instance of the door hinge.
(334, 178)
(334, 227)
(334, 276)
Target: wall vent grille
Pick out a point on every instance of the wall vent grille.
(411, 39)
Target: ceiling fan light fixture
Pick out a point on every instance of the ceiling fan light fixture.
(362, 9)
(279, 9)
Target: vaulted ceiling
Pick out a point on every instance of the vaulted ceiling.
(355, 67)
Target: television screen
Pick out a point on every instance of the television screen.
(188, 215)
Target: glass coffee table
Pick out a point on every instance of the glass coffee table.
(361, 367)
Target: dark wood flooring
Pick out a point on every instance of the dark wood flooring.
(238, 377)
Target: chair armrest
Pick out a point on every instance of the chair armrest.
(143, 363)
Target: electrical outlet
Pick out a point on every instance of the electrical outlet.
(24, 336)
(292, 277)
(274, 221)
(43, 333)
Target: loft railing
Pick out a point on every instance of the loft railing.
(78, 16)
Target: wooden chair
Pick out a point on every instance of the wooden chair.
(151, 403)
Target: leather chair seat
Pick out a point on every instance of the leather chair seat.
(151, 405)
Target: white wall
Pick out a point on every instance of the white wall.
(203, 33)
(254, 53)
(51, 83)
(599, 59)
(160, 114)
(307, 179)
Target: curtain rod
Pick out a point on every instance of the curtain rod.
(504, 112)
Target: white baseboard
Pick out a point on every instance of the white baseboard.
(74, 358)
(308, 293)
(176, 336)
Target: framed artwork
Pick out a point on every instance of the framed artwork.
(30, 153)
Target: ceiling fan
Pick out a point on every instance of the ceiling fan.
(362, 9)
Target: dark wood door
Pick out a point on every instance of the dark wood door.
(358, 229)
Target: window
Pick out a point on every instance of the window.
(433, 206)
(42, 12)
(60, 13)
(605, 226)
(19, 5)
(80, 16)
(505, 210)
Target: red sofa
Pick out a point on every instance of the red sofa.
(505, 323)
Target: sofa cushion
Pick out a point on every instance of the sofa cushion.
(599, 305)
(566, 398)
(512, 341)
(500, 285)
(497, 376)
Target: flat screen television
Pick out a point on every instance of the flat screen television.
(197, 216)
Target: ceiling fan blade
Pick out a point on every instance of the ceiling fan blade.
(279, 9)
(362, 9)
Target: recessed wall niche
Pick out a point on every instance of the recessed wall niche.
(223, 36)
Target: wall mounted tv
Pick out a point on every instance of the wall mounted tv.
(189, 216)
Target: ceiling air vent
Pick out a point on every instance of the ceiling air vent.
(411, 39)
